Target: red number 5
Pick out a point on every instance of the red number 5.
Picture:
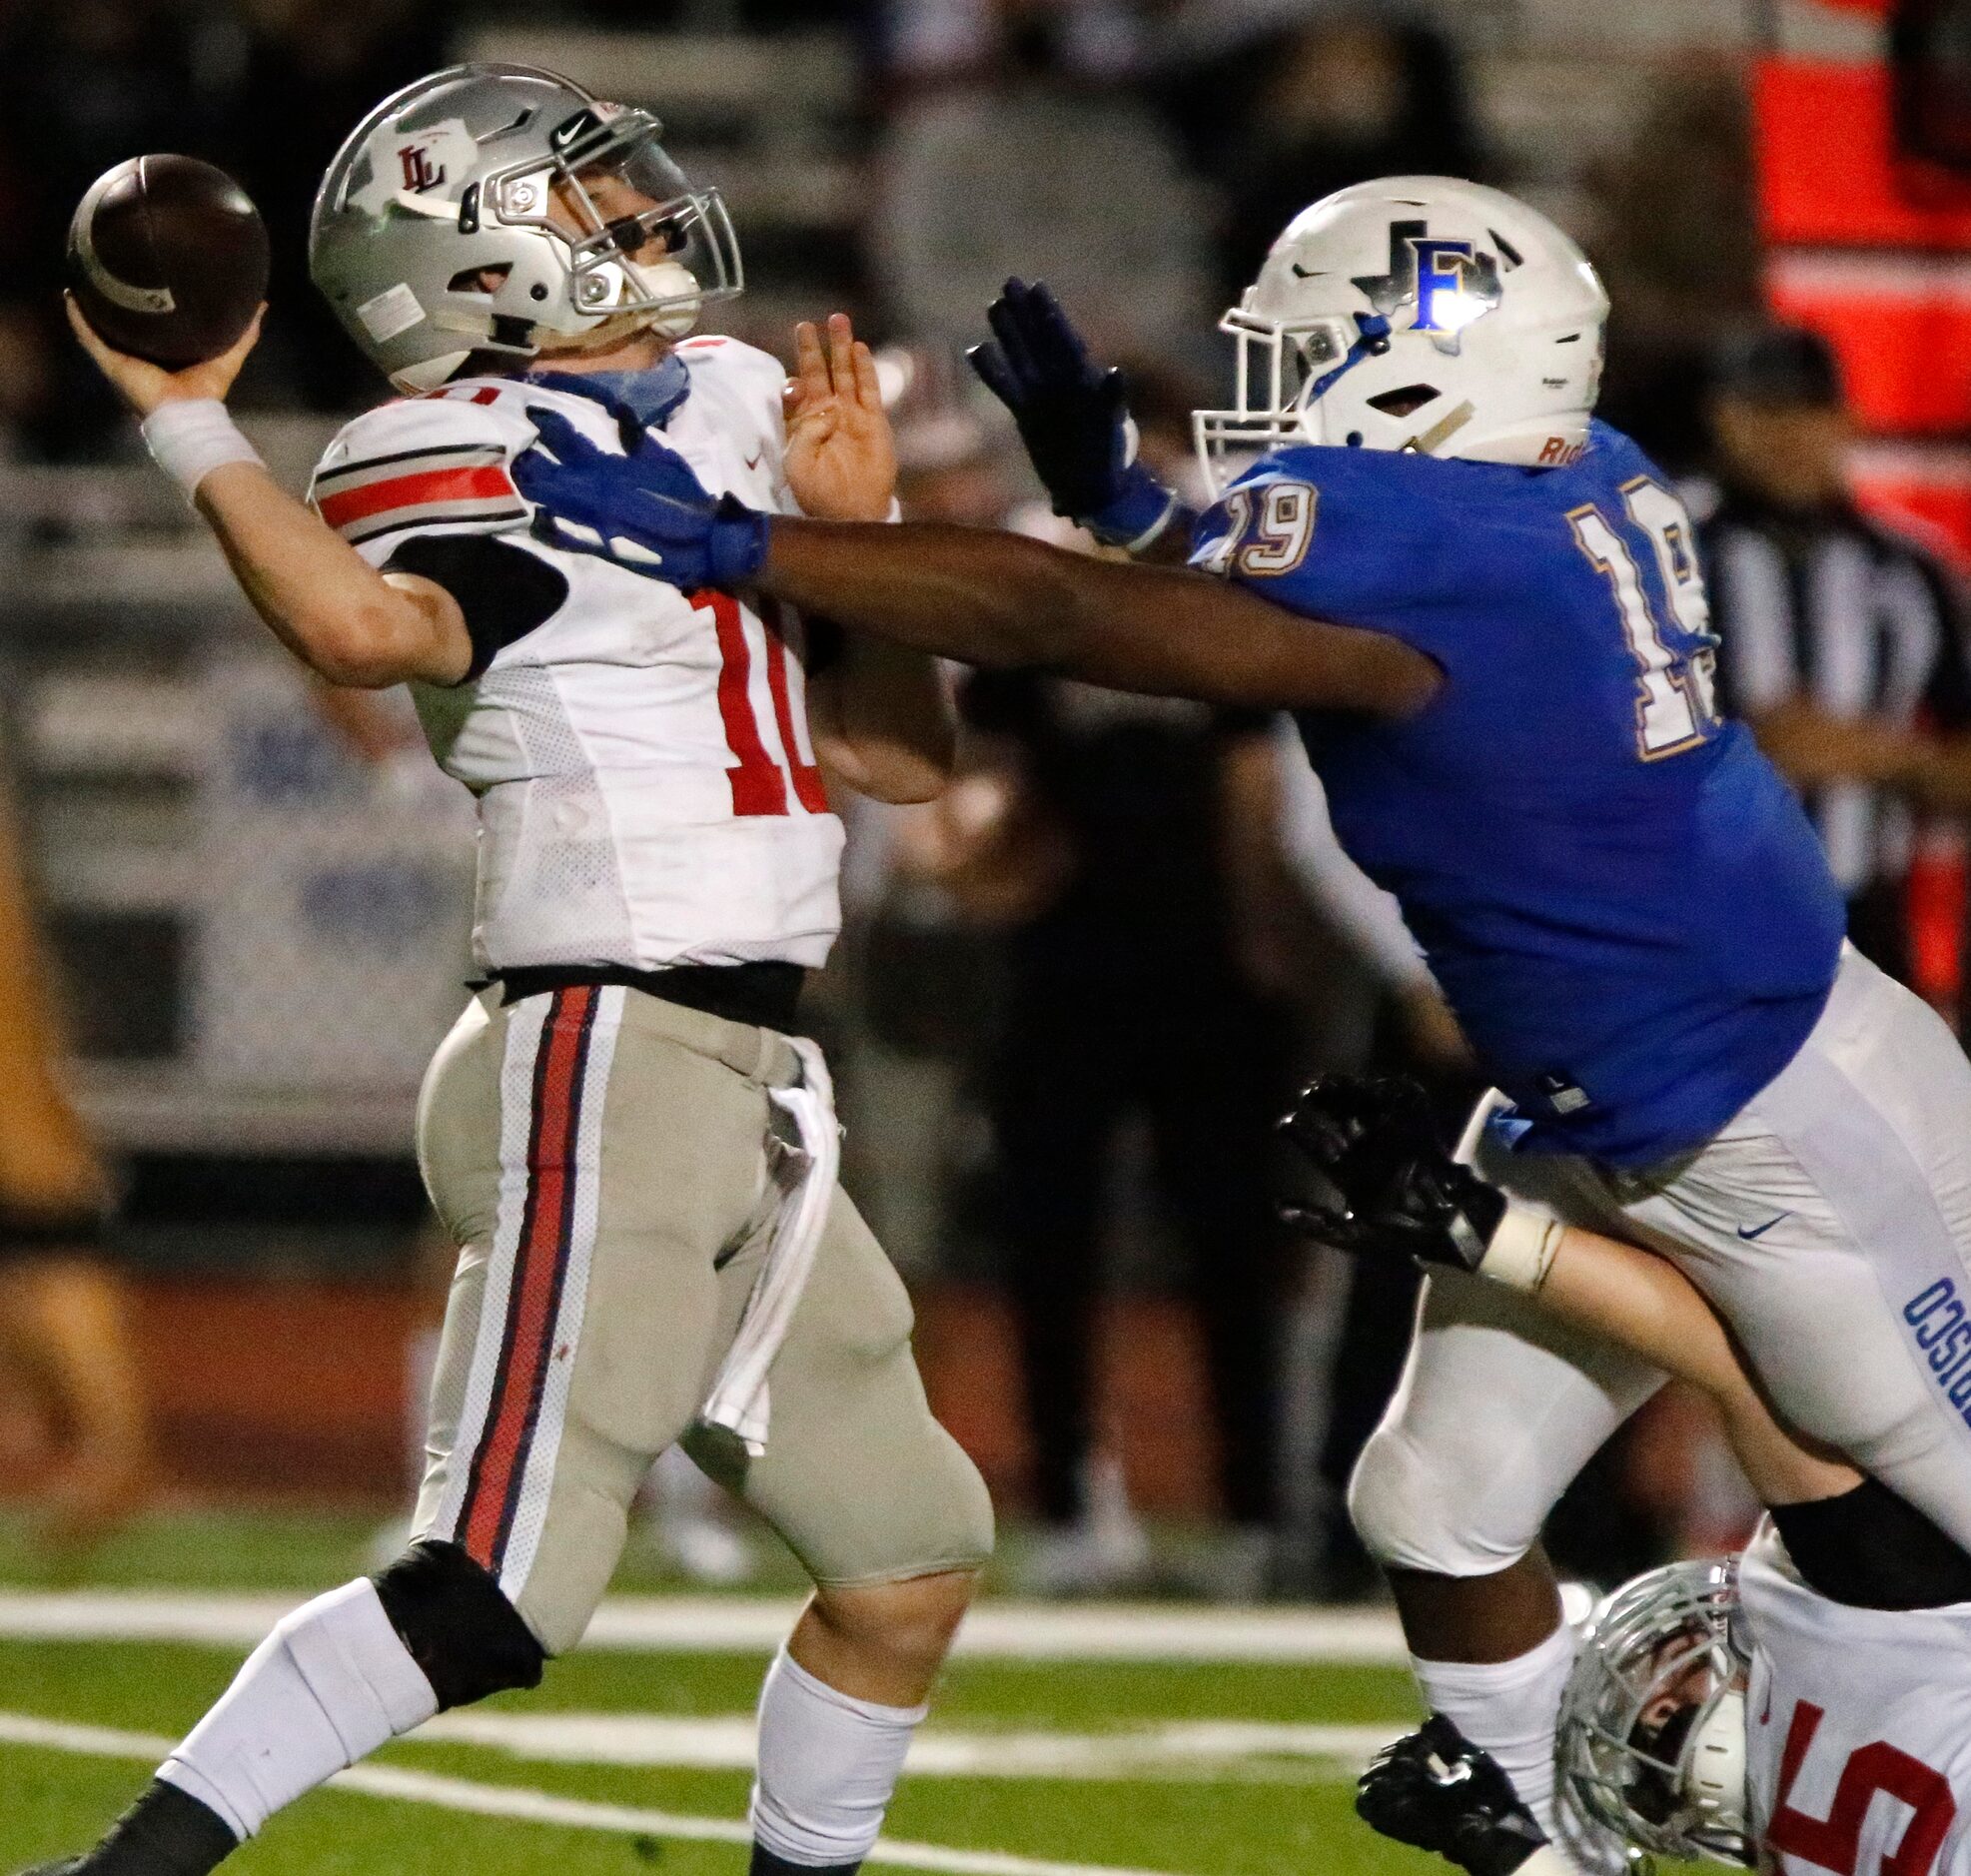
(1834, 1842)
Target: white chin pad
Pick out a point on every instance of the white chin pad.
(673, 281)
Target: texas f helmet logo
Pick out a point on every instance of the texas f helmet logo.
(1450, 283)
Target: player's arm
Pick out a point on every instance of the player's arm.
(983, 597)
(1000, 599)
(880, 714)
(1374, 1142)
(1641, 1302)
(343, 619)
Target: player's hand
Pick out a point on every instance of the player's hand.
(144, 385)
(1402, 1195)
(841, 456)
(1073, 416)
(646, 510)
(1435, 1790)
(1359, 1132)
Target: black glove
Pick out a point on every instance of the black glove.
(1437, 1792)
(1073, 416)
(1374, 1139)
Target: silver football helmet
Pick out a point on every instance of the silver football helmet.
(468, 213)
(1652, 1726)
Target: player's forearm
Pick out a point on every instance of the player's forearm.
(1641, 1303)
(884, 720)
(321, 598)
(999, 599)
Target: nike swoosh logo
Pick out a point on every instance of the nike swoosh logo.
(1302, 272)
(752, 461)
(1759, 1231)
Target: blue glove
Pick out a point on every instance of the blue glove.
(646, 510)
(1073, 418)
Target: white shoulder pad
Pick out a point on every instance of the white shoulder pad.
(425, 461)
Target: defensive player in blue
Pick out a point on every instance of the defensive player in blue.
(1485, 611)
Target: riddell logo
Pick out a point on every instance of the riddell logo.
(419, 175)
(1560, 454)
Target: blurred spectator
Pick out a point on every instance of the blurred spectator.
(1841, 642)
(1350, 95)
(719, 16)
(1409, 1030)
(1023, 169)
(90, 83)
(1102, 835)
(920, 980)
(1678, 246)
(63, 1312)
(930, 40)
(305, 74)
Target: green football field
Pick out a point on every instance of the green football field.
(1064, 1742)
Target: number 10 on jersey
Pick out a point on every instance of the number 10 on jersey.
(1675, 706)
(759, 783)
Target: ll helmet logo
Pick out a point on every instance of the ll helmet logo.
(419, 175)
(1451, 283)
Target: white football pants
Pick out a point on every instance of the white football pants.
(1829, 1223)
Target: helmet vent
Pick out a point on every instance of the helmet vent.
(1506, 252)
(1404, 399)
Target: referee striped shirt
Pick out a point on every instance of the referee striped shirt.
(1856, 620)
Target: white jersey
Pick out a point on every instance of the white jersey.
(1858, 1729)
(646, 787)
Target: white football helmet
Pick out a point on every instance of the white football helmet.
(1652, 1746)
(1418, 313)
(452, 178)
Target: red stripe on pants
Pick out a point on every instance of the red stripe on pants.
(542, 1249)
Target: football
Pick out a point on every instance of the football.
(167, 256)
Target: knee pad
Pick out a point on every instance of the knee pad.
(1409, 1515)
(458, 1625)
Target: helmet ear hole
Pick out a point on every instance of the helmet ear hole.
(1404, 399)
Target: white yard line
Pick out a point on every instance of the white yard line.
(996, 1631)
(1189, 1749)
(545, 1807)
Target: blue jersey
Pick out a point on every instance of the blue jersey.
(1622, 901)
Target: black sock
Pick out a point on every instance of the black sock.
(765, 1863)
(167, 1832)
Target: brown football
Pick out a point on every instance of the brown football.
(168, 258)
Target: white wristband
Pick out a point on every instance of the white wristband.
(1522, 1249)
(189, 437)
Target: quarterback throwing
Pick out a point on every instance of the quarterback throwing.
(633, 1153)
